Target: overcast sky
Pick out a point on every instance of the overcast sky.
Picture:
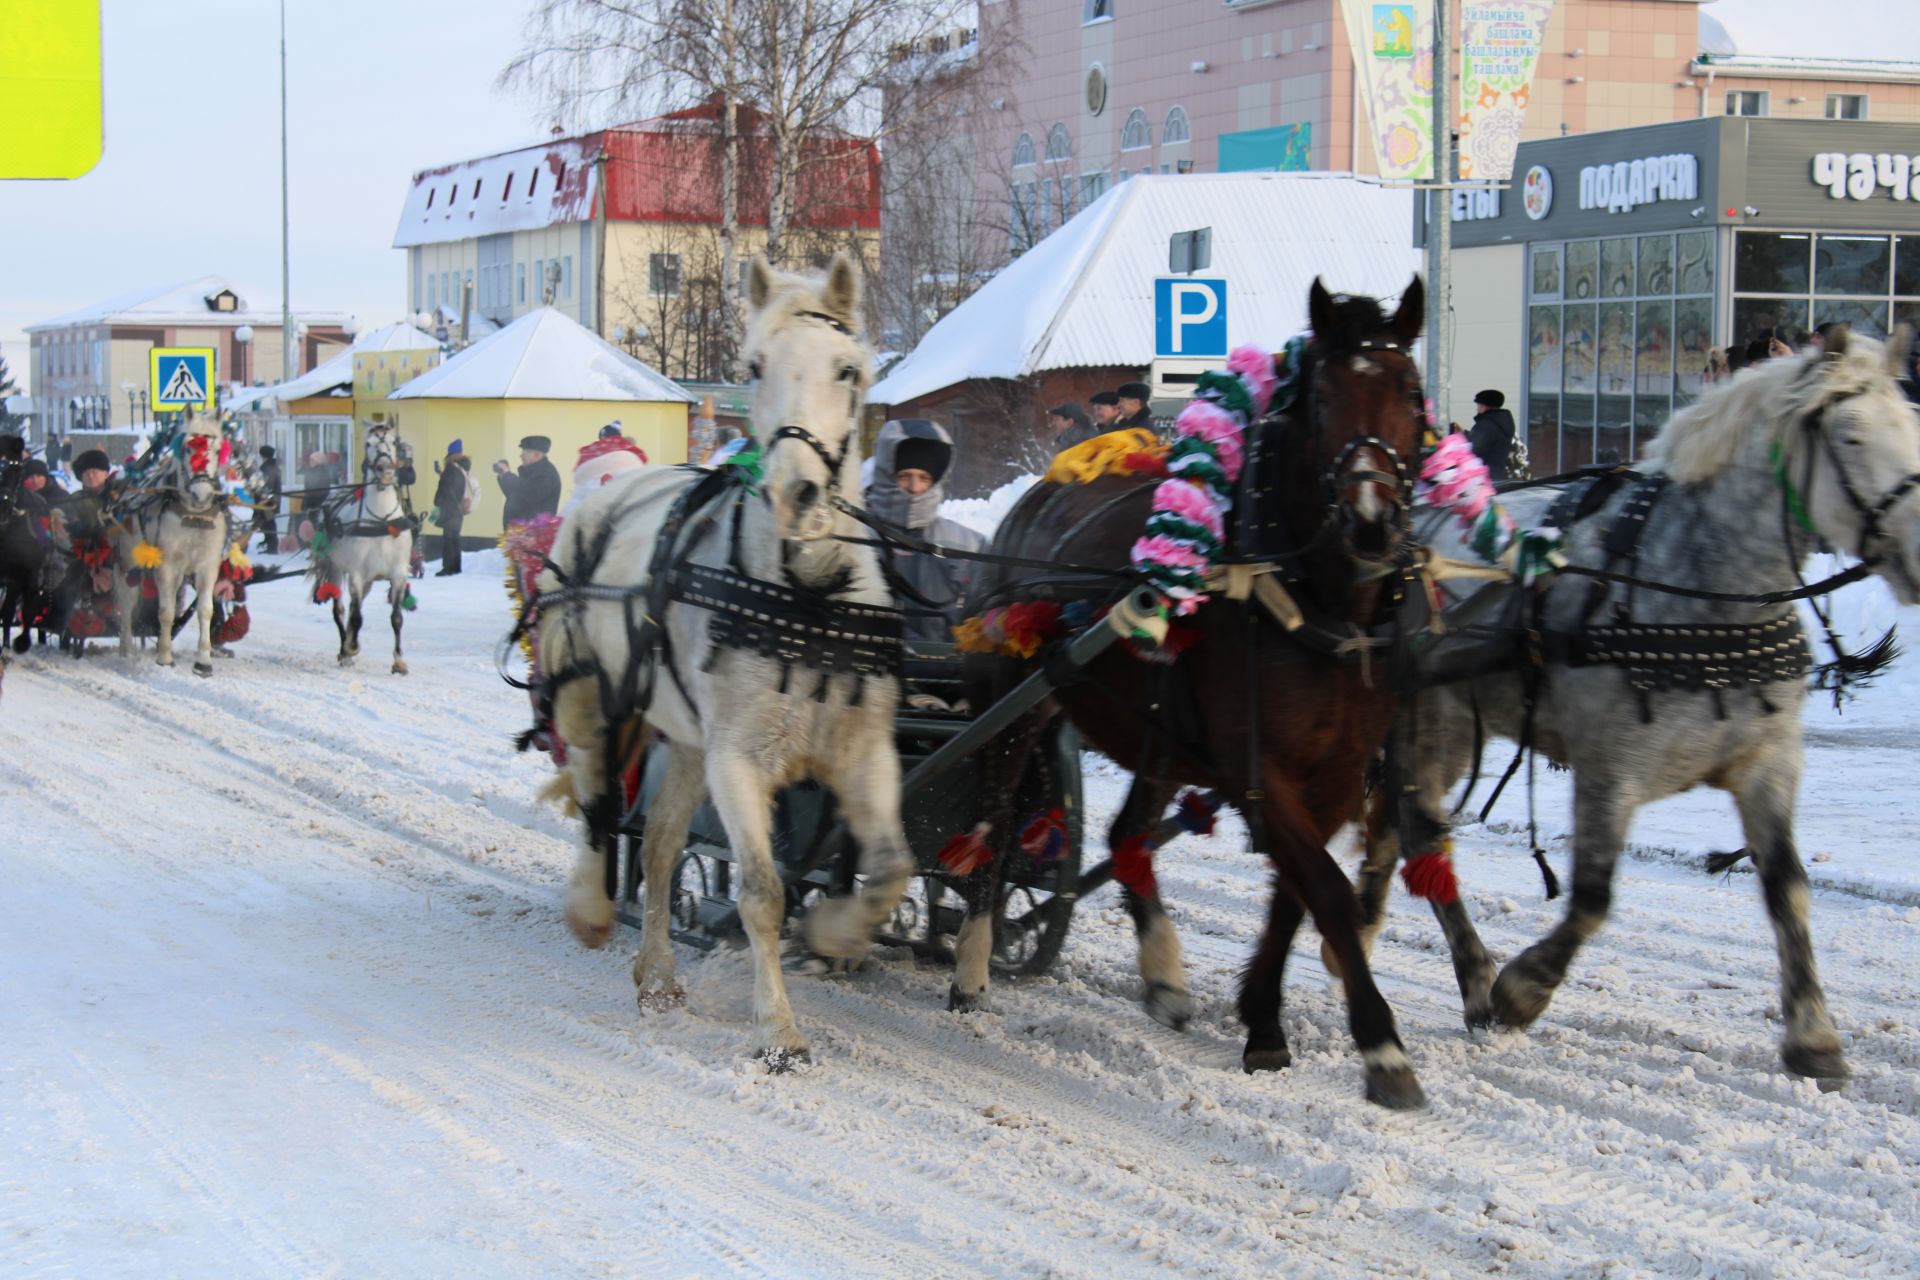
(190, 183)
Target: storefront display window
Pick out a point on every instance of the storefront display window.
(1906, 265)
(1603, 379)
(1840, 278)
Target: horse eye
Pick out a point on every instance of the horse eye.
(753, 370)
(848, 373)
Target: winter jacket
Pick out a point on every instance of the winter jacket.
(534, 492)
(944, 582)
(314, 483)
(450, 492)
(270, 482)
(1492, 436)
(1142, 419)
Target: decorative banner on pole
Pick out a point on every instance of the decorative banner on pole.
(1498, 46)
(1392, 46)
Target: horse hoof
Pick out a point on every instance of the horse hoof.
(592, 930)
(1824, 1067)
(837, 929)
(221, 651)
(399, 668)
(1480, 1016)
(660, 999)
(1395, 1088)
(346, 659)
(21, 644)
(959, 1001)
(1255, 1060)
(781, 1060)
(203, 669)
(165, 660)
(1169, 1006)
(1518, 1002)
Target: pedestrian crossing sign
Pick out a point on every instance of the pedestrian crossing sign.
(181, 378)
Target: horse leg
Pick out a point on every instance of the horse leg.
(1001, 769)
(203, 583)
(356, 594)
(1167, 998)
(681, 792)
(866, 780)
(340, 625)
(1600, 816)
(1310, 871)
(1811, 1046)
(577, 717)
(167, 578)
(744, 799)
(1261, 987)
(397, 597)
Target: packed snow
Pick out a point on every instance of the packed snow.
(285, 991)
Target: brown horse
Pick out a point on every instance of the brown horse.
(1281, 723)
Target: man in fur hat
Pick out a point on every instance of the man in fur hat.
(535, 491)
(453, 498)
(1133, 398)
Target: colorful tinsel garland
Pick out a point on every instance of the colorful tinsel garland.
(1454, 479)
(1187, 528)
(1020, 630)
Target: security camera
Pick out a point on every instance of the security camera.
(1752, 212)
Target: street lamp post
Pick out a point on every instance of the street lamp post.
(243, 338)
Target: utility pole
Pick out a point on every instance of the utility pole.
(287, 362)
(1440, 220)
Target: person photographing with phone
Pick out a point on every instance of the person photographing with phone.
(535, 491)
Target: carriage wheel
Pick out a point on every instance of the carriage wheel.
(689, 888)
(1030, 930)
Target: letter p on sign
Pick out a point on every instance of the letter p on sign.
(1189, 316)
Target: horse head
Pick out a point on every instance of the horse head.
(1839, 441)
(1363, 394)
(810, 370)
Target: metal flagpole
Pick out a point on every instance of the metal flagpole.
(287, 363)
(1440, 220)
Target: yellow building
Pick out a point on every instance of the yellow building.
(541, 375)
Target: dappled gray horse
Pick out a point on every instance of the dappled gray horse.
(1647, 693)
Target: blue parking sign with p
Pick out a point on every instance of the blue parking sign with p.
(1189, 316)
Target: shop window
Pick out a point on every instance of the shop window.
(1652, 372)
(1583, 270)
(1546, 272)
(1616, 268)
(1851, 264)
(1693, 251)
(1846, 106)
(1783, 318)
(1656, 266)
(1868, 318)
(1907, 313)
(1906, 265)
(1772, 263)
(1746, 102)
(1692, 340)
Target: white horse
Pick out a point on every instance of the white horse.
(190, 526)
(740, 723)
(372, 541)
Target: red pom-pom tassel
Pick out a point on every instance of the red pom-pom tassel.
(326, 591)
(1133, 866)
(967, 852)
(1045, 838)
(1430, 876)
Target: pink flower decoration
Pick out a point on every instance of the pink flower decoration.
(1204, 420)
(1189, 503)
(1255, 368)
(1160, 549)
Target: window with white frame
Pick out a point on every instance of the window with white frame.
(663, 275)
(1023, 150)
(1135, 135)
(520, 282)
(1095, 11)
(1059, 143)
(1093, 185)
(1746, 102)
(1175, 129)
(566, 276)
(1846, 106)
(540, 281)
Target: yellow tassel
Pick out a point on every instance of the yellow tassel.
(147, 556)
(238, 559)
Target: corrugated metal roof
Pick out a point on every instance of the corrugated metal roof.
(543, 355)
(537, 186)
(1083, 297)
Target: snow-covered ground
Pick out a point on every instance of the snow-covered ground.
(285, 991)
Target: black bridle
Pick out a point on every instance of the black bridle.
(1872, 515)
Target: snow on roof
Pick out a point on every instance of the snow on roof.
(478, 326)
(337, 369)
(1877, 35)
(533, 187)
(1084, 295)
(184, 303)
(543, 355)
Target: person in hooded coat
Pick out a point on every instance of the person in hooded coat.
(1492, 433)
(912, 458)
(448, 496)
(535, 491)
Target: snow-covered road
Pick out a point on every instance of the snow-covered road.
(285, 991)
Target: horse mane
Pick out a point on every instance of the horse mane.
(1760, 402)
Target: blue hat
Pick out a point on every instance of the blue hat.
(456, 446)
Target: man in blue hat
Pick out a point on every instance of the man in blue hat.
(536, 490)
(453, 500)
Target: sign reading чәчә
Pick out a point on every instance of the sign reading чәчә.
(1858, 176)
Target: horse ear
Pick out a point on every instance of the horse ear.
(1320, 310)
(759, 282)
(841, 297)
(1412, 313)
(1839, 338)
